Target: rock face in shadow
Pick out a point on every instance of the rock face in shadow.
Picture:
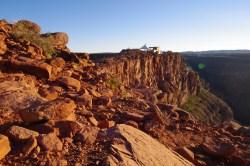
(133, 147)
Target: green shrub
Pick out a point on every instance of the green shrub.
(113, 82)
(21, 31)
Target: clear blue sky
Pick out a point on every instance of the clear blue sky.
(110, 25)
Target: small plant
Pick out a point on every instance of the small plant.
(113, 82)
(22, 31)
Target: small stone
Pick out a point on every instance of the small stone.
(106, 124)
(93, 121)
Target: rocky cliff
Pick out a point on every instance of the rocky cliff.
(59, 108)
(166, 72)
(169, 79)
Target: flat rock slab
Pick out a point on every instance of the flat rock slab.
(133, 147)
(31, 66)
(18, 133)
(59, 109)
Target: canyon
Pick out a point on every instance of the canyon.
(61, 108)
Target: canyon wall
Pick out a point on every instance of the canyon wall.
(166, 72)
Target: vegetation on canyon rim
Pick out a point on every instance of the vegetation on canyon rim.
(24, 32)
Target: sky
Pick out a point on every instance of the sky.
(112, 25)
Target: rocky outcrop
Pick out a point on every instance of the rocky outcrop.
(133, 147)
(166, 72)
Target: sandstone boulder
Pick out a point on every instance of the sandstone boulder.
(134, 147)
(87, 135)
(57, 62)
(85, 100)
(5, 146)
(50, 142)
(59, 109)
(68, 128)
(18, 95)
(31, 66)
(49, 93)
(69, 82)
(20, 134)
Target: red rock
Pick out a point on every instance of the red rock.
(68, 128)
(30, 145)
(186, 153)
(106, 124)
(93, 121)
(18, 133)
(59, 109)
(85, 100)
(103, 100)
(34, 52)
(70, 82)
(50, 142)
(37, 68)
(49, 94)
(5, 146)
(132, 123)
(58, 62)
(133, 116)
(87, 135)
(223, 150)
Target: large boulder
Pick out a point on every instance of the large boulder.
(59, 109)
(5, 146)
(17, 95)
(133, 147)
(20, 134)
(50, 142)
(59, 39)
(31, 66)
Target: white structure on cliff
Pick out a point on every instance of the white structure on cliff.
(153, 49)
